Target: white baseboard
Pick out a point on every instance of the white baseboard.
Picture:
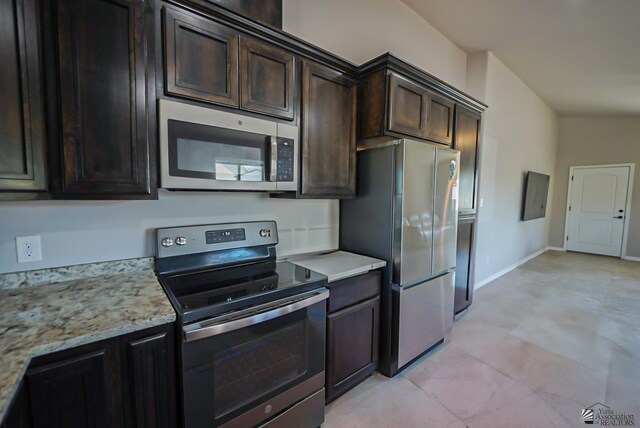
(512, 267)
(633, 259)
(556, 249)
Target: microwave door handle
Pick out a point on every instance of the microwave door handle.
(225, 327)
(273, 176)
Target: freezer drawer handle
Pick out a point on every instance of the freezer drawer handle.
(202, 330)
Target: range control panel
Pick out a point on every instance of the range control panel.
(285, 159)
(177, 241)
(228, 235)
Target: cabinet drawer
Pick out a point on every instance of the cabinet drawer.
(352, 290)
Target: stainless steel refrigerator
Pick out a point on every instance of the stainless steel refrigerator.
(405, 212)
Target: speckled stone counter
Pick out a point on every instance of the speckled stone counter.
(37, 320)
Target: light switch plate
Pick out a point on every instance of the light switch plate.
(28, 249)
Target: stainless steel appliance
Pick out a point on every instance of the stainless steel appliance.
(252, 348)
(206, 149)
(405, 212)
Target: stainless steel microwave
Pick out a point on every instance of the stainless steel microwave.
(208, 149)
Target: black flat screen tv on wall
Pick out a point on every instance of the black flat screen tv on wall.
(536, 191)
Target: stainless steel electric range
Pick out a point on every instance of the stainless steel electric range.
(252, 346)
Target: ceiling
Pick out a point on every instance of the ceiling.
(581, 56)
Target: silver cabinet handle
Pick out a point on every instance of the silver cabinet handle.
(203, 330)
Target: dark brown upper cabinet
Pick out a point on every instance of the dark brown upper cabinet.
(201, 59)
(328, 134)
(104, 90)
(22, 158)
(467, 137)
(267, 79)
(440, 123)
(407, 107)
(398, 100)
(267, 12)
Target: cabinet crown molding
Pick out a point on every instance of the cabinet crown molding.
(392, 63)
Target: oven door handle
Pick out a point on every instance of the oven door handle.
(202, 332)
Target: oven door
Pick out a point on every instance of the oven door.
(245, 368)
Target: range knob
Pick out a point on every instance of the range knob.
(265, 232)
(181, 240)
(166, 242)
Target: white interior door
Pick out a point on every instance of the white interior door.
(597, 210)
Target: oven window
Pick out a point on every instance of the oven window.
(226, 375)
(217, 153)
(256, 368)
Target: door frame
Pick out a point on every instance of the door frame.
(625, 230)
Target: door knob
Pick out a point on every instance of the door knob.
(620, 217)
(620, 211)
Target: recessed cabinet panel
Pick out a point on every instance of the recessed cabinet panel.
(201, 59)
(407, 107)
(22, 165)
(352, 346)
(267, 79)
(328, 132)
(466, 140)
(149, 375)
(464, 252)
(440, 123)
(71, 393)
(102, 62)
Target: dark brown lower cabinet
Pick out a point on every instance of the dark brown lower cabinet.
(19, 415)
(352, 332)
(72, 392)
(127, 381)
(464, 264)
(150, 379)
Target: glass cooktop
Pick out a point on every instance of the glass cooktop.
(212, 292)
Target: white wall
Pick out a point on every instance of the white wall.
(519, 134)
(360, 30)
(75, 232)
(596, 141)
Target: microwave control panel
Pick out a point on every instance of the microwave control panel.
(285, 159)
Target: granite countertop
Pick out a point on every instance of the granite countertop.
(37, 320)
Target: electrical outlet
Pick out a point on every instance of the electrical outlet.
(28, 249)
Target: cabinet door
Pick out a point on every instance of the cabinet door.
(151, 387)
(71, 392)
(328, 133)
(467, 136)
(18, 415)
(407, 107)
(267, 83)
(440, 122)
(103, 60)
(22, 165)
(352, 346)
(201, 59)
(464, 255)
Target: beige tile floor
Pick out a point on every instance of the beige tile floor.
(538, 345)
